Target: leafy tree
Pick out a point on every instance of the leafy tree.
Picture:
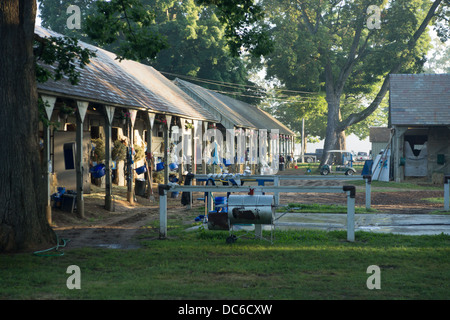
(327, 46)
(128, 25)
(22, 218)
(242, 28)
(23, 225)
(198, 47)
(64, 54)
(53, 14)
(195, 41)
(439, 62)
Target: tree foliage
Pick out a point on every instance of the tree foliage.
(197, 42)
(327, 47)
(245, 25)
(127, 24)
(64, 54)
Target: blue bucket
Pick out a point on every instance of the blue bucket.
(221, 201)
(173, 166)
(226, 162)
(141, 170)
(174, 194)
(98, 171)
(160, 166)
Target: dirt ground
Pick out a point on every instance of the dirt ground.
(120, 228)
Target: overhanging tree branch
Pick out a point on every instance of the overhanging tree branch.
(348, 67)
(357, 117)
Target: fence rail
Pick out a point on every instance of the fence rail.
(163, 189)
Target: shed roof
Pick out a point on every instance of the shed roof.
(241, 114)
(379, 134)
(420, 99)
(127, 84)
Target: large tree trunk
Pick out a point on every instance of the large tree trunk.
(335, 125)
(23, 225)
(332, 135)
(335, 136)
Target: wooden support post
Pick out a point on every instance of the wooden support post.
(204, 146)
(194, 147)
(82, 108)
(162, 190)
(166, 148)
(447, 193)
(181, 154)
(151, 119)
(350, 212)
(50, 104)
(368, 180)
(109, 116)
(399, 141)
(276, 183)
(130, 178)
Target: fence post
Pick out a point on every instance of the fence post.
(447, 193)
(368, 179)
(351, 193)
(276, 183)
(162, 191)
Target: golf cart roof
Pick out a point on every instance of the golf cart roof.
(338, 151)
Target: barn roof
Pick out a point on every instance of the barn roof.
(379, 134)
(239, 113)
(420, 99)
(127, 84)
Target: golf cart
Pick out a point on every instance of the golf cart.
(346, 167)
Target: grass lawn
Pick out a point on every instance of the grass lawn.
(201, 265)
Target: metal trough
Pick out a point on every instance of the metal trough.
(253, 209)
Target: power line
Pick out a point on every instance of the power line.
(229, 84)
(240, 94)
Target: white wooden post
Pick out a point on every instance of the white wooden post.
(82, 108)
(276, 183)
(151, 119)
(166, 148)
(130, 178)
(162, 211)
(50, 104)
(205, 145)
(181, 144)
(109, 116)
(447, 193)
(350, 213)
(368, 190)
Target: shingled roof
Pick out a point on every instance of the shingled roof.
(420, 99)
(239, 113)
(379, 134)
(127, 84)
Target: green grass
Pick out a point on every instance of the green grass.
(322, 208)
(435, 200)
(201, 265)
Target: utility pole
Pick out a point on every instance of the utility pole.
(303, 140)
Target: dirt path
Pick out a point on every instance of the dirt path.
(118, 229)
(395, 201)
